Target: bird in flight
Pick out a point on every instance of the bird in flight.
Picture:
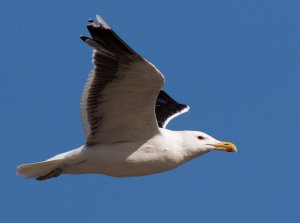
(125, 113)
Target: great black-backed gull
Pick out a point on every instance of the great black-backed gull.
(125, 113)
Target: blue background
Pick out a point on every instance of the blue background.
(236, 63)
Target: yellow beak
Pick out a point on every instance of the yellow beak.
(225, 146)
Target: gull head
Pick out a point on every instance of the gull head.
(201, 142)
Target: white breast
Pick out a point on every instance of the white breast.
(126, 159)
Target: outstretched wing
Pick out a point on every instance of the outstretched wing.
(118, 101)
(167, 108)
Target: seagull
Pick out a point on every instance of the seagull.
(125, 113)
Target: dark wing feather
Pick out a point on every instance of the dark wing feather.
(167, 108)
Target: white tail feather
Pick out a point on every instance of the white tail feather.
(35, 170)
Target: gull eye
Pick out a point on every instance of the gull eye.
(200, 137)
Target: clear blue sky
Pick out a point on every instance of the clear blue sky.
(236, 63)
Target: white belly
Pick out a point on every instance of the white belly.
(124, 159)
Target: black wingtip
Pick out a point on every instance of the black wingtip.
(91, 27)
(84, 38)
(94, 30)
(90, 20)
